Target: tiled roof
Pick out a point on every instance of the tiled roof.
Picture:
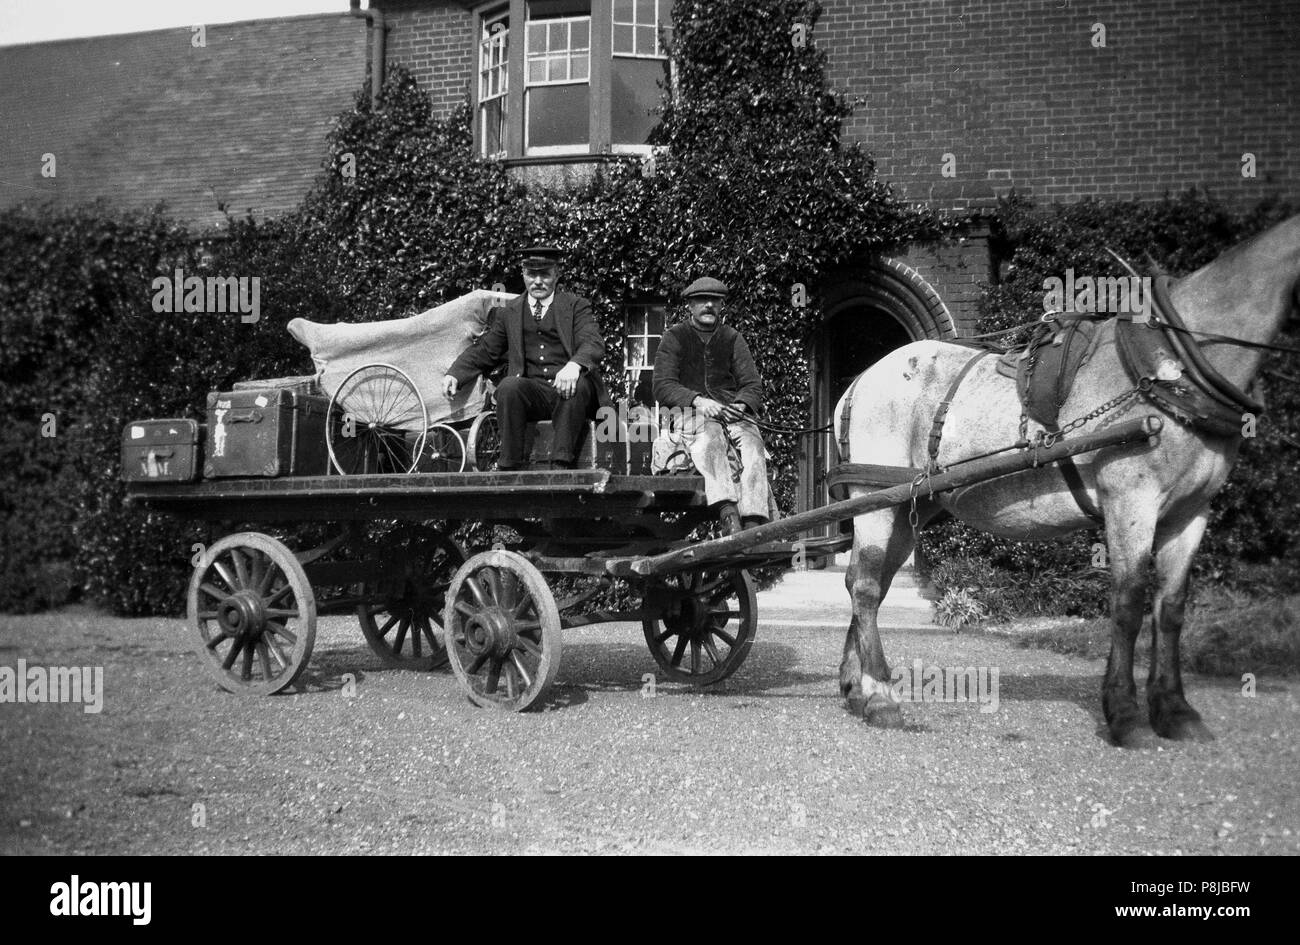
(144, 117)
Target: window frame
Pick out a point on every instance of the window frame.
(530, 26)
(488, 40)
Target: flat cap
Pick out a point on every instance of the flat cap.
(707, 286)
(540, 257)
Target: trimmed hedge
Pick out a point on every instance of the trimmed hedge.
(1254, 520)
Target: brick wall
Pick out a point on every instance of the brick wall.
(1016, 91)
(957, 270)
(435, 40)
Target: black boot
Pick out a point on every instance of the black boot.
(730, 518)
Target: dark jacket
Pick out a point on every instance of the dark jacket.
(503, 341)
(721, 368)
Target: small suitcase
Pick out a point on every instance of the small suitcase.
(268, 432)
(161, 450)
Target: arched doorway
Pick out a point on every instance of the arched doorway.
(868, 314)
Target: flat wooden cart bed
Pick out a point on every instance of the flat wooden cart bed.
(422, 601)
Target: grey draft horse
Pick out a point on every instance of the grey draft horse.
(1153, 499)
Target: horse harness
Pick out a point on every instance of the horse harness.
(1157, 355)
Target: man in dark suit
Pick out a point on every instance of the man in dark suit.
(552, 348)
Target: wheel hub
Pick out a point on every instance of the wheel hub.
(242, 614)
(490, 631)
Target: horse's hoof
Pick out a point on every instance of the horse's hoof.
(881, 713)
(1133, 736)
(1173, 718)
(856, 703)
(1186, 728)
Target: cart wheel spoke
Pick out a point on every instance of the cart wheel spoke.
(232, 654)
(241, 568)
(264, 658)
(223, 569)
(476, 590)
(682, 640)
(727, 637)
(712, 650)
(523, 672)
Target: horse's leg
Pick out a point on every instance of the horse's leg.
(1171, 715)
(1129, 534)
(881, 543)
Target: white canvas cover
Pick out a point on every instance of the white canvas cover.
(423, 346)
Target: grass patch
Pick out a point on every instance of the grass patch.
(1226, 634)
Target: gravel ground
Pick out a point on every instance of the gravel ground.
(769, 762)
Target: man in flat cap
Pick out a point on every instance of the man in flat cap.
(704, 370)
(552, 347)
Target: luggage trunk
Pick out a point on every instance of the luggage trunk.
(161, 450)
(267, 432)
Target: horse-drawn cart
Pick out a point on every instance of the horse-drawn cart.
(422, 602)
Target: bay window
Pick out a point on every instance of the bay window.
(560, 79)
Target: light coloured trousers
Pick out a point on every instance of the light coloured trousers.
(707, 442)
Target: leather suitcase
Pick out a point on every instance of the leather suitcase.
(267, 432)
(161, 450)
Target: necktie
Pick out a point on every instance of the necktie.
(537, 309)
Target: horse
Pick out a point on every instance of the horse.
(1153, 499)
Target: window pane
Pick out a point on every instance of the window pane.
(645, 40)
(557, 69)
(634, 93)
(536, 70)
(492, 126)
(580, 35)
(623, 40)
(655, 321)
(557, 115)
(536, 37)
(645, 12)
(623, 11)
(636, 352)
(557, 36)
(578, 66)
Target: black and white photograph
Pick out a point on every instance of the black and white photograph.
(650, 427)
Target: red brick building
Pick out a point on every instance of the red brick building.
(958, 101)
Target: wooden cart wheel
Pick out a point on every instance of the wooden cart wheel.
(503, 631)
(483, 445)
(708, 624)
(402, 621)
(367, 420)
(254, 613)
(444, 450)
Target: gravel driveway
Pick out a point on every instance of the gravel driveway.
(769, 762)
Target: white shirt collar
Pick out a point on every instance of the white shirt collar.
(546, 304)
